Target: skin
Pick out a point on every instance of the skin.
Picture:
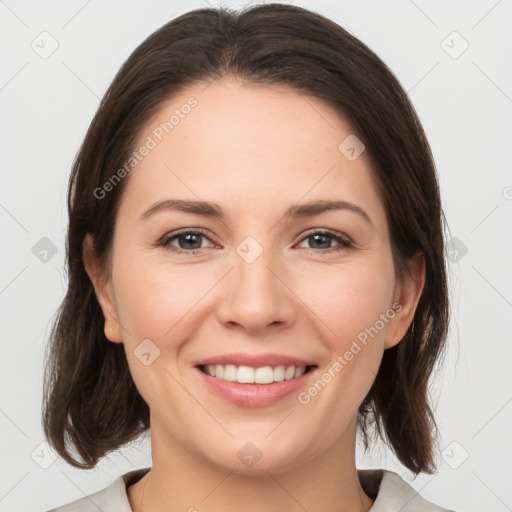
(254, 151)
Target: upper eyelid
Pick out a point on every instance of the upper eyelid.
(326, 231)
(183, 232)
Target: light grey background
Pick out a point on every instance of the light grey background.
(465, 104)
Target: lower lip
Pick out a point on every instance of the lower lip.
(255, 395)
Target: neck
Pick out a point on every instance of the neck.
(180, 480)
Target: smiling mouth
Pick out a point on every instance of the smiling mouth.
(249, 375)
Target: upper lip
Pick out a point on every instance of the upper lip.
(254, 360)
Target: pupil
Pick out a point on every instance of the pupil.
(189, 238)
(316, 237)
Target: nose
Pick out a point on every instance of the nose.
(256, 295)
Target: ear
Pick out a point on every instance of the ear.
(407, 295)
(103, 289)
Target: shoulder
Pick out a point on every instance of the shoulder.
(392, 493)
(112, 498)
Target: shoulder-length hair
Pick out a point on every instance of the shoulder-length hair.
(90, 402)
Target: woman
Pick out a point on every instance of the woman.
(256, 271)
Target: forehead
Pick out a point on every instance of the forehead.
(228, 142)
(253, 116)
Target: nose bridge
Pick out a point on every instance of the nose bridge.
(254, 295)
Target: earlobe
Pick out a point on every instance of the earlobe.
(102, 289)
(408, 295)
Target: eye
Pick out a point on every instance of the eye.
(188, 242)
(324, 239)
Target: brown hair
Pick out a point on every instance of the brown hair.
(90, 401)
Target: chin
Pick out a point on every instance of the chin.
(255, 459)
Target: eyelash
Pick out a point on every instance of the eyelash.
(345, 243)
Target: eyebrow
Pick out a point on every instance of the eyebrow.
(208, 209)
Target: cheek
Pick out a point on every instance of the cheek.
(349, 298)
(155, 302)
(159, 303)
(353, 303)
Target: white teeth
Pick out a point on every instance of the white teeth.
(299, 371)
(289, 373)
(245, 375)
(264, 375)
(279, 373)
(230, 372)
(248, 375)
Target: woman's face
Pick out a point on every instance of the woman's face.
(266, 289)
